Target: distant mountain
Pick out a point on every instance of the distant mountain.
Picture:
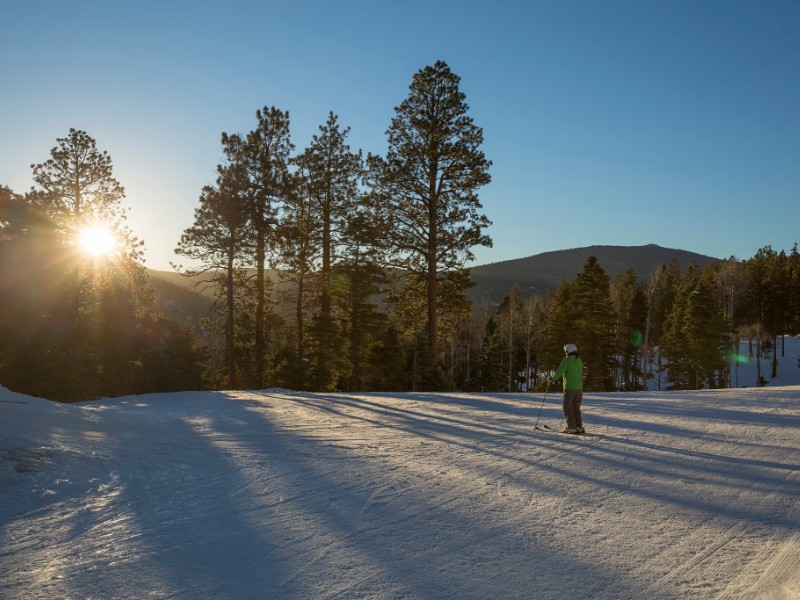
(542, 272)
(535, 275)
(177, 297)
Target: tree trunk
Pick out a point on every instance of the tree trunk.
(433, 233)
(774, 356)
(229, 318)
(326, 254)
(261, 300)
(299, 315)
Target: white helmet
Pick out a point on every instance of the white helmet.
(570, 348)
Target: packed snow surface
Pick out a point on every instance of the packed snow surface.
(278, 495)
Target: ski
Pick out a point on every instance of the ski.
(548, 429)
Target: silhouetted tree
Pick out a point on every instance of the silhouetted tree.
(426, 188)
(219, 237)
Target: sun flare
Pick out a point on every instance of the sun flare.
(97, 241)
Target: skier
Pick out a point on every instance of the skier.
(571, 369)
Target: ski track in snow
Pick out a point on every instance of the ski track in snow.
(288, 495)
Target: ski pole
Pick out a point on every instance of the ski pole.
(546, 389)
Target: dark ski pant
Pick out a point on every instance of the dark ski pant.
(572, 408)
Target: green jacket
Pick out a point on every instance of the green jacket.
(571, 369)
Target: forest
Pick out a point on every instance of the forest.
(336, 271)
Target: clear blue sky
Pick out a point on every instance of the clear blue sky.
(620, 122)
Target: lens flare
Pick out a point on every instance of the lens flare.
(636, 338)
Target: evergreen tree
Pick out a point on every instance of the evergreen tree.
(675, 341)
(363, 280)
(15, 214)
(474, 335)
(660, 296)
(729, 277)
(768, 299)
(102, 297)
(426, 187)
(219, 237)
(794, 292)
(696, 339)
(630, 306)
(386, 365)
(535, 316)
(708, 332)
(268, 149)
(41, 350)
(491, 372)
(332, 174)
(75, 189)
(80, 318)
(560, 327)
(511, 331)
(454, 308)
(298, 254)
(595, 325)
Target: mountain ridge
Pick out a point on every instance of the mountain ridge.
(538, 273)
(535, 274)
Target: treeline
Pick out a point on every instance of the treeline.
(682, 329)
(371, 249)
(370, 293)
(374, 247)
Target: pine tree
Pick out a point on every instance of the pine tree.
(491, 369)
(100, 298)
(332, 174)
(363, 279)
(81, 317)
(38, 316)
(675, 341)
(630, 306)
(729, 277)
(426, 187)
(76, 188)
(535, 316)
(696, 338)
(595, 325)
(510, 320)
(560, 327)
(768, 299)
(660, 296)
(298, 255)
(708, 332)
(268, 150)
(220, 237)
(794, 292)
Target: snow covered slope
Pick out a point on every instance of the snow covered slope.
(286, 495)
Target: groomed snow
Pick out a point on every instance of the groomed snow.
(285, 495)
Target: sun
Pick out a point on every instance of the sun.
(97, 241)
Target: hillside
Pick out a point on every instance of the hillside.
(292, 495)
(542, 272)
(195, 291)
(177, 298)
(534, 274)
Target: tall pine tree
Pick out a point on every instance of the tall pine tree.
(219, 239)
(426, 189)
(268, 149)
(332, 175)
